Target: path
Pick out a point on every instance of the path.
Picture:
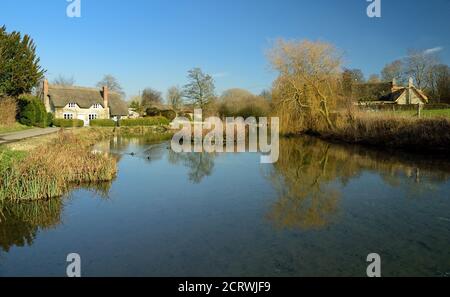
(16, 136)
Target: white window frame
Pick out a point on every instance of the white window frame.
(97, 106)
(93, 116)
(68, 116)
(72, 105)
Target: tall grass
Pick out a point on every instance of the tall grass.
(8, 111)
(49, 170)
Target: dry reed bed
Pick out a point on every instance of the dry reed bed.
(50, 170)
(393, 132)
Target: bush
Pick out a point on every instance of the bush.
(149, 121)
(169, 114)
(68, 123)
(103, 123)
(32, 112)
(8, 110)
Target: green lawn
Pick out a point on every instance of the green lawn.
(425, 113)
(13, 128)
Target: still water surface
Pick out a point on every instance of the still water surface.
(319, 211)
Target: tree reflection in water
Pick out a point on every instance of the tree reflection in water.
(200, 165)
(310, 174)
(20, 222)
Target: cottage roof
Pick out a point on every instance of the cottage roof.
(60, 96)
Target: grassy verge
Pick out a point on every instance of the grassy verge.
(16, 127)
(434, 113)
(50, 170)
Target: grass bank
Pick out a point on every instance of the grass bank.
(50, 169)
(391, 131)
(16, 127)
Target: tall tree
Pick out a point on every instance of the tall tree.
(349, 78)
(200, 89)
(112, 83)
(393, 71)
(62, 80)
(150, 97)
(374, 78)
(175, 97)
(439, 86)
(307, 88)
(19, 66)
(419, 65)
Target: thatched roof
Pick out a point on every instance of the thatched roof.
(60, 96)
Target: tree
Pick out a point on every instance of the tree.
(393, 71)
(439, 86)
(419, 65)
(19, 66)
(150, 97)
(64, 81)
(242, 103)
(374, 78)
(112, 83)
(349, 78)
(307, 87)
(175, 97)
(200, 89)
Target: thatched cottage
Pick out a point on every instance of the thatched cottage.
(388, 93)
(86, 104)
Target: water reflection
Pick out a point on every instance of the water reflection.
(310, 175)
(200, 165)
(20, 222)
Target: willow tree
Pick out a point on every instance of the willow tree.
(307, 88)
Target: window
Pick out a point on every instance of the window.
(92, 117)
(72, 105)
(68, 116)
(96, 106)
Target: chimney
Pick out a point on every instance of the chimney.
(105, 97)
(411, 82)
(46, 99)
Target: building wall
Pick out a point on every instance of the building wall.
(409, 98)
(82, 113)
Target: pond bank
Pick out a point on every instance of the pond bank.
(48, 166)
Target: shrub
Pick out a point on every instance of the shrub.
(32, 112)
(149, 121)
(103, 123)
(169, 114)
(8, 110)
(68, 123)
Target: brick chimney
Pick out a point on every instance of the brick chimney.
(105, 97)
(45, 98)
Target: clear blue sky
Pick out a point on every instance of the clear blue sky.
(153, 43)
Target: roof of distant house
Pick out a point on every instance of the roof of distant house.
(85, 98)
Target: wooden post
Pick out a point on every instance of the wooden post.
(419, 110)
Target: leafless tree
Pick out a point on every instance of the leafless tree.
(62, 80)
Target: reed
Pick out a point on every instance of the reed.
(50, 170)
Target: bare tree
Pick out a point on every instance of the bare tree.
(200, 89)
(393, 71)
(439, 83)
(175, 97)
(374, 78)
(112, 83)
(62, 80)
(150, 97)
(307, 85)
(418, 65)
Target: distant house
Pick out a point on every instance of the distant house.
(84, 104)
(388, 93)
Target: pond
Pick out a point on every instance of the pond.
(319, 211)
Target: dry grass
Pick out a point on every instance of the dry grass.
(392, 131)
(49, 170)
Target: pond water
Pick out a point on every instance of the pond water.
(319, 211)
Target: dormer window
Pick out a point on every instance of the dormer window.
(97, 106)
(72, 105)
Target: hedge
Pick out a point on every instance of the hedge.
(32, 112)
(68, 123)
(102, 123)
(149, 121)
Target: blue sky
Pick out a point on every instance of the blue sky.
(153, 43)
